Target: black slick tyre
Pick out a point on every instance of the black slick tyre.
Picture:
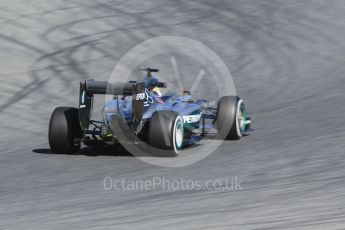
(64, 130)
(166, 132)
(230, 118)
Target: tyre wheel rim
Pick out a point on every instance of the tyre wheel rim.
(241, 118)
(178, 134)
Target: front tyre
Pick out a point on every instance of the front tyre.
(231, 118)
(166, 132)
(64, 130)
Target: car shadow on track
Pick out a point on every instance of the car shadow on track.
(93, 151)
(104, 150)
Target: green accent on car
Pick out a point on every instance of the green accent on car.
(179, 131)
(242, 117)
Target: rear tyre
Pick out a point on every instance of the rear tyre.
(166, 132)
(231, 118)
(64, 130)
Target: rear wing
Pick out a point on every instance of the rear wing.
(102, 87)
(89, 88)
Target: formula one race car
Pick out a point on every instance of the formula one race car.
(138, 110)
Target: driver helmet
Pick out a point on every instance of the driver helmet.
(156, 91)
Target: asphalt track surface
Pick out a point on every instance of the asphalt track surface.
(287, 59)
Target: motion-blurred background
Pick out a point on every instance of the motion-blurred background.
(287, 60)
